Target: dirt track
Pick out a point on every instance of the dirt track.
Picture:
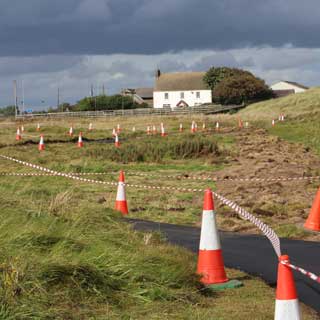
(260, 155)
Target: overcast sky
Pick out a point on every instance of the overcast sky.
(119, 43)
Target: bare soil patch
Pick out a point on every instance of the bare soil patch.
(283, 204)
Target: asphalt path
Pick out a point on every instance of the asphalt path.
(252, 254)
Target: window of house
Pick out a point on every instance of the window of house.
(166, 96)
(198, 95)
(181, 95)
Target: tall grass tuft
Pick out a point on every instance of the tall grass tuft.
(159, 149)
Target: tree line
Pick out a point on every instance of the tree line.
(228, 85)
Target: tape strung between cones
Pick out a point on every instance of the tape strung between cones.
(179, 177)
(303, 271)
(267, 231)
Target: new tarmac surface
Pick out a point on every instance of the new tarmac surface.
(252, 254)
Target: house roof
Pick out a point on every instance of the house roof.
(296, 84)
(180, 81)
(145, 93)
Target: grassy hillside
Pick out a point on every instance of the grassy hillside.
(292, 106)
(302, 113)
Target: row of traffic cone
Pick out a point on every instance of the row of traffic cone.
(211, 267)
(41, 145)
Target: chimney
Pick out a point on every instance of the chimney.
(158, 73)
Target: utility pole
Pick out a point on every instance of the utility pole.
(15, 97)
(23, 97)
(103, 92)
(58, 99)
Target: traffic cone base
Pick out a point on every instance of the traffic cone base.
(313, 221)
(287, 310)
(122, 207)
(211, 267)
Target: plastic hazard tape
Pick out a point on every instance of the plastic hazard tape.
(180, 177)
(207, 178)
(303, 271)
(267, 231)
(26, 174)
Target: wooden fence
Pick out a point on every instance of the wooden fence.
(212, 109)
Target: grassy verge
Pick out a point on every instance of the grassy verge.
(66, 255)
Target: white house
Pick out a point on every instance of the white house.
(181, 89)
(282, 88)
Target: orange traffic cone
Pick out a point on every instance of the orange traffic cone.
(204, 127)
(217, 126)
(154, 130)
(18, 134)
(180, 128)
(287, 303)
(71, 131)
(118, 128)
(38, 127)
(313, 221)
(163, 131)
(121, 201)
(148, 130)
(210, 260)
(240, 123)
(90, 126)
(116, 141)
(22, 129)
(41, 144)
(273, 122)
(193, 127)
(80, 142)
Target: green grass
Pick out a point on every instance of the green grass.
(65, 254)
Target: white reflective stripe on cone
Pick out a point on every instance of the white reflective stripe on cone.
(287, 310)
(121, 194)
(209, 239)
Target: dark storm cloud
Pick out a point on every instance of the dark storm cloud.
(37, 27)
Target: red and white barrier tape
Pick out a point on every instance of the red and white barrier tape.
(269, 233)
(179, 177)
(303, 271)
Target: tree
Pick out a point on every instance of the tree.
(215, 75)
(8, 111)
(241, 88)
(104, 102)
(235, 86)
